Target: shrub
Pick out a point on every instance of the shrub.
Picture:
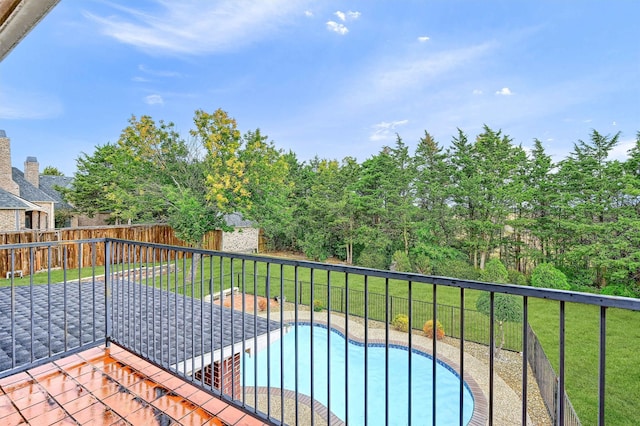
(372, 258)
(495, 272)
(455, 269)
(422, 264)
(618, 290)
(517, 277)
(262, 305)
(401, 322)
(317, 306)
(400, 262)
(428, 329)
(547, 276)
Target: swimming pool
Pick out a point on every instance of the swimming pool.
(448, 382)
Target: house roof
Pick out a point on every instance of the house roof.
(27, 190)
(236, 219)
(149, 322)
(9, 201)
(48, 185)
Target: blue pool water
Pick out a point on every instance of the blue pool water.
(448, 382)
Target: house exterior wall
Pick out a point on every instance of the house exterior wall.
(49, 221)
(8, 220)
(241, 240)
(226, 375)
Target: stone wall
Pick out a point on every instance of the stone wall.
(241, 240)
(8, 220)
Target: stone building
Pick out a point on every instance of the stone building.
(23, 205)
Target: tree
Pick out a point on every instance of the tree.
(269, 188)
(433, 193)
(484, 189)
(547, 276)
(592, 195)
(98, 180)
(507, 308)
(52, 171)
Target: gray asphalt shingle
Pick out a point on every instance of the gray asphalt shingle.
(27, 190)
(163, 326)
(49, 183)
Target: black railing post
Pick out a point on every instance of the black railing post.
(107, 292)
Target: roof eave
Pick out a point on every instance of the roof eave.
(17, 18)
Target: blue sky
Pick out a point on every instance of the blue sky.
(326, 78)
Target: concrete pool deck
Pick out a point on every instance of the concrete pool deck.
(507, 405)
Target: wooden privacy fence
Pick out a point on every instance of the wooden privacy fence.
(74, 255)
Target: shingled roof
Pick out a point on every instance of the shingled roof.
(164, 326)
(9, 201)
(49, 183)
(27, 190)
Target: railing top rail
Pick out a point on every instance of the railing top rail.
(540, 293)
(51, 243)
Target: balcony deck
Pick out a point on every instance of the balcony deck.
(140, 344)
(110, 386)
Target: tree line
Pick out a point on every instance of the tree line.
(436, 210)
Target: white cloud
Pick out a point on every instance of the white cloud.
(154, 100)
(614, 124)
(505, 91)
(196, 27)
(338, 28)
(139, 79)
(423, 39)
(351, 15)
(477, 92)
(385, 130)
(308, 13)
(412, 72)
(621, 150)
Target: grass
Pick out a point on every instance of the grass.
(582, 325)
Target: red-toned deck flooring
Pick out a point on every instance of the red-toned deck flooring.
(109, 386)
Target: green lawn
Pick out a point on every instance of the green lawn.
(582, 326)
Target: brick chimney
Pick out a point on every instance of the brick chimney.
(32, 171)
(6, 180)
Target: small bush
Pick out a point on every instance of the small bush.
(400, 262)
(372, 258)
(455, 269)
(517, 277)
(262, 305)
(618, 290)
(428, 329)
(401, 322)
(317, 306)
(422, 264)
(547, 276)
(495, 272)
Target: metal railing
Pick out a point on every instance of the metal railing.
(254, 354)
(381, 306)
(548, 381)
